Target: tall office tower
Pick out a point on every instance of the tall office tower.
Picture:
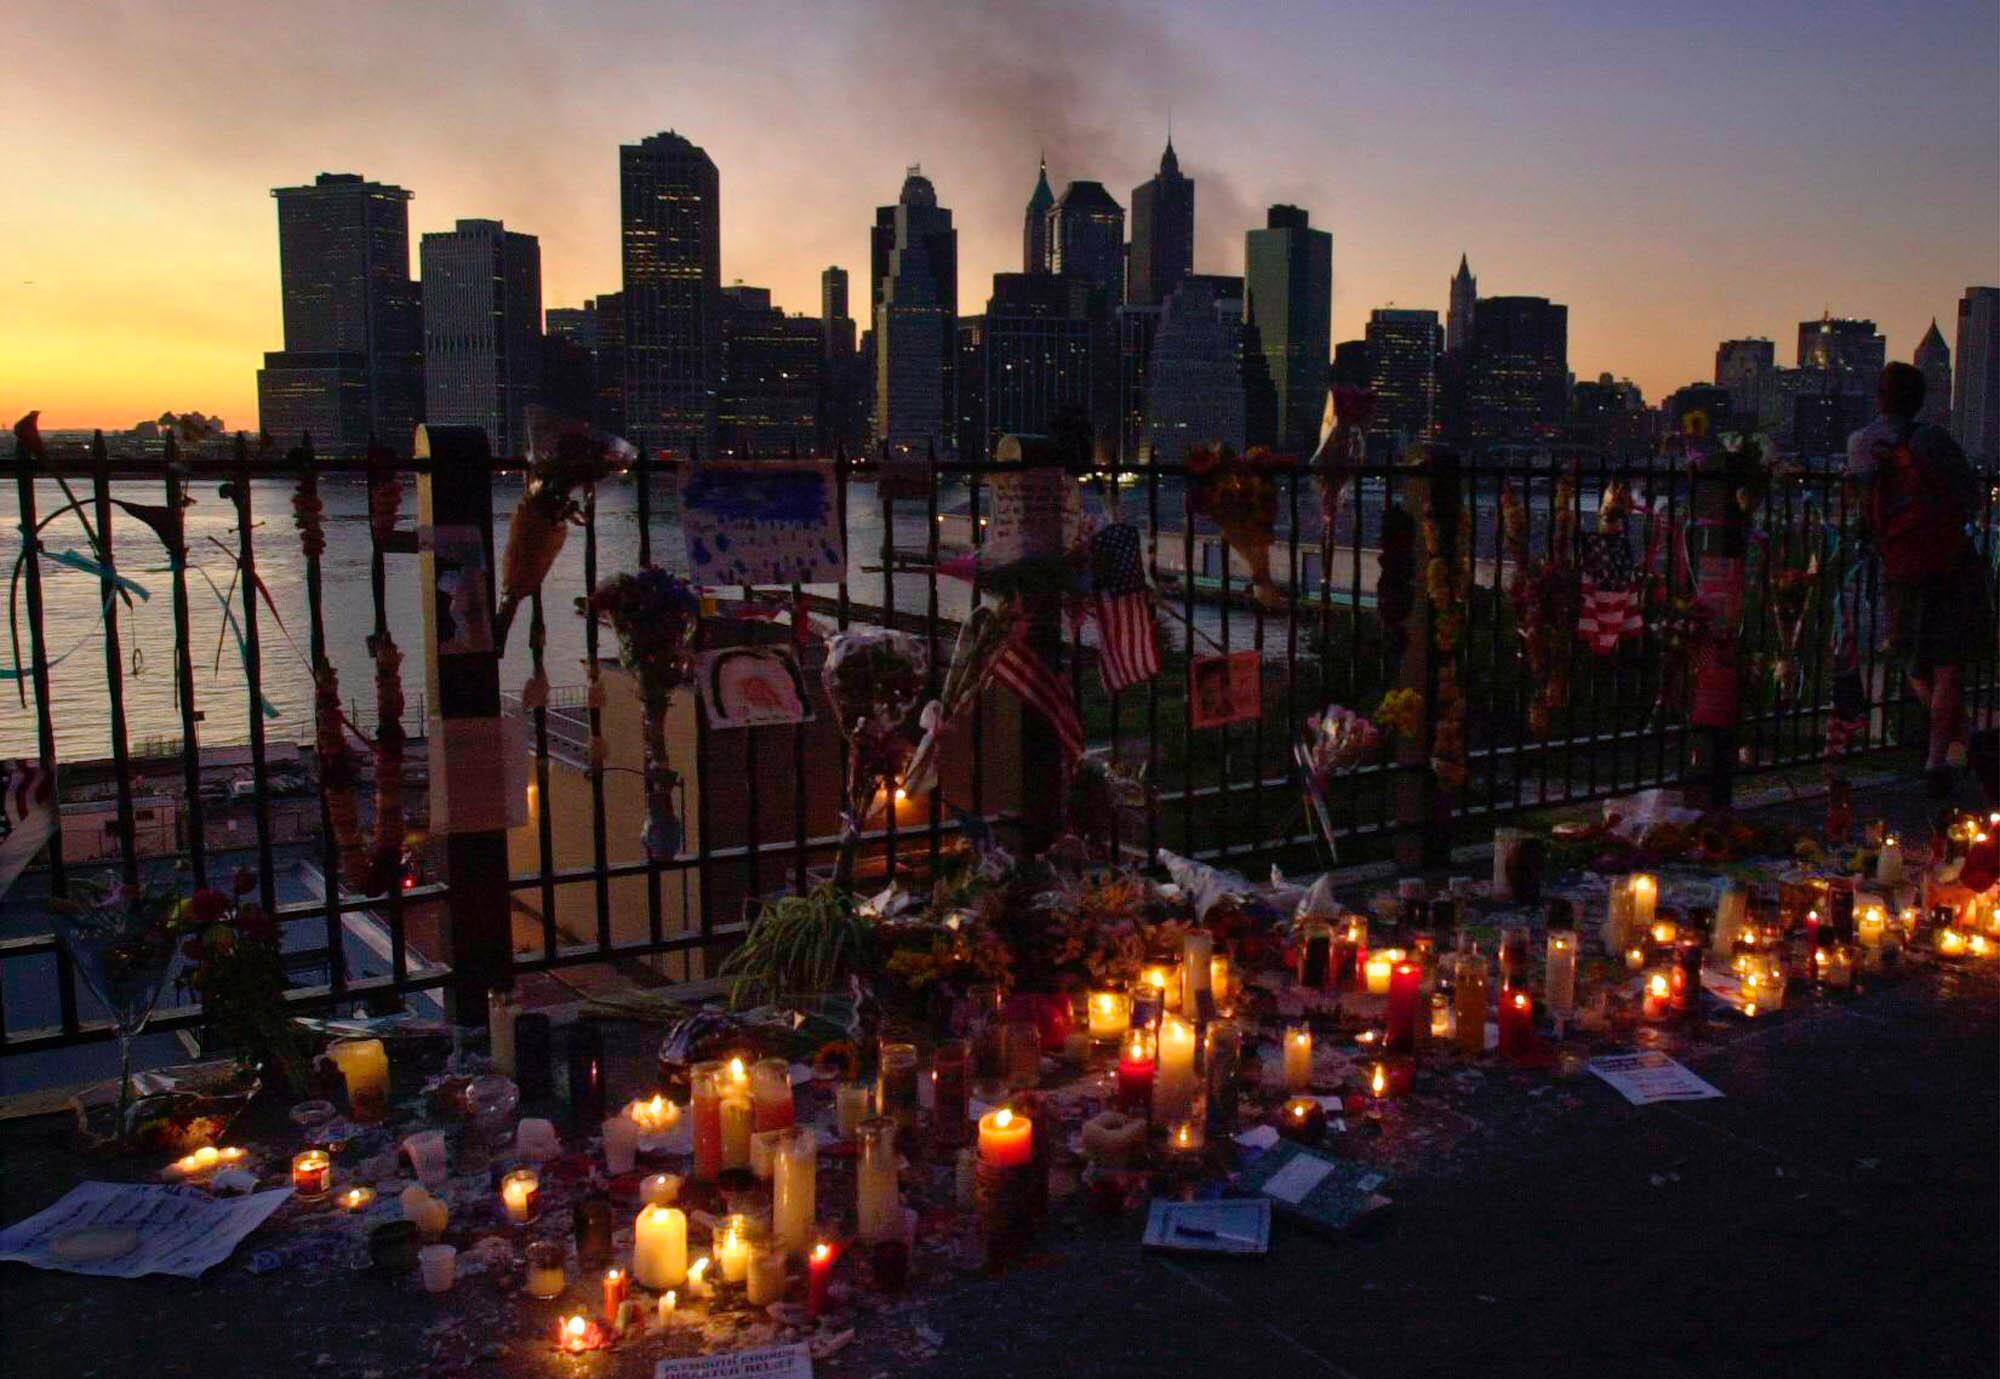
(1137, 326)
(1611, 417)
(840, 382)
(1087, 237)
(1517, 388)
(916, 322)
(353, 361)
(970, 436)
(1403, 349)
(1850, 350)
(1162, 233)
(1042, 353)
(1746, 368)
(1458, 318)
(1933, 361)
(768, 396)
(1975, 406)
(1288, 298)
(1353, 366)
(569, 360)
(671, 217)
(1035, 225)
(482, 330)
(1195, 391)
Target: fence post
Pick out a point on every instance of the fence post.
(1719, 579)
(1423, 811)
(1044, 771)
(455, 538)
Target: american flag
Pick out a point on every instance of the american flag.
(1128, 643)
(1610, 608)
(1021, 669)
(27, 815)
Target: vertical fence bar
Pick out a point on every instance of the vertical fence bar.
(253, 676)
(194, 811)
(114, 658)
(303, 459)
(1152, 784)
(643, 515)
(599, 844)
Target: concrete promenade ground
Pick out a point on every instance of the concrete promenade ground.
(1837, 1212)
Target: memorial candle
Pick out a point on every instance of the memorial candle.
(312, 1174)
(1136, 1066)
(1406, 980)
(660, 1247)
(1653, 1005)
(1559, 975)
(364, 1066)
(705, 1086)
(501, 1010)
(1197, 953)
(1164, 981)
(850, 1106)
(771, 1094)
(621, 1145)
(1469, 999)
(951, 1074)
(1871, 925)
(1174, 1080)
(731, 1246)
(819, 1274)
(1221, 978)
(795, 1191)
(1645, 889)
(1005, 1139)
(1517, 1024)
(521, 1195)
(1110, 1015)
(1889, 862)
(545, 1276)
(654, 1116)
(1618, 916)
(1376, 971)
(766, 1279)
(878, 1202)
(736, 1115)
(617, 1288)
(1298, 1058)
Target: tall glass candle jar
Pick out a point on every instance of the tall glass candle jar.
(878, 1200)
(1559, 975)
(364, 1066)
(771, 1094)
(896, 1085)
(950, 1090)
(795, 1191)
(982, 1029)
(1021, 1044)
(705, 1088)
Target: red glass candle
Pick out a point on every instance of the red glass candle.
(617, 1288)
(1517, 1023)
(1405, 987)
(1348, 956)
(950, 1070)
(1684, 984)
(819, 1273)
(1136, 1063)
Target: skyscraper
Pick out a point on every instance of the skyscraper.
(1087, 237)
(840, 386)
(1042, 342)
(1517, 387)
(1195, 372)
(768, 395)
(1035, 225)
(1933, 361)
(1975, 406)
(482, 329)
(916, 321)
(1403, 349)
(1746, 368)
(1162, 233)
(1288, 298)
(671, 218)
(1850, 350)
(353, 361)
(1464, 299)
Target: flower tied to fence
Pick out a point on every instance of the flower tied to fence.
(655, 616)
(873, 679)
(1239, 493)
(564, 455)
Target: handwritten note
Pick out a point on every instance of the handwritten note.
(1028, 517)
(163, 1230)
(762, 523)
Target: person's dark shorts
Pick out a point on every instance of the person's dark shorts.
(1946, 620)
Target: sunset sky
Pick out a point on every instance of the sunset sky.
(1676, 173)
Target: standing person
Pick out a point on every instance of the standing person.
(1918, 495)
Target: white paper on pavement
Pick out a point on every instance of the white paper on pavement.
(176, 1230)
(1644, 1078)
(772, 1362)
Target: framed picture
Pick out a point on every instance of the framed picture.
(751, 687)
(1227, 689)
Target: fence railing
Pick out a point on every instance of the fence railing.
(251, 612)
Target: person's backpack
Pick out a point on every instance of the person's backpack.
(1918, 506)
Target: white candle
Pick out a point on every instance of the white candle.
(520, 1193)
(660, 1247)
(655, 1116)
(429, 1215)
(500, 1014)
(1732, 908)
(1174, 1080)
(428, 1157)
(660, 1189)
(536, 1141)
(1889, 863)
(1645, 896)
(1559, 978)
(763, 1153)
(439, 1265)
(794, 1194)
(737, 1114)
(766, 1278)
(878, 1204)
(1197, 951)
(732, 1249)
(1298, 1058)
(621, 1145)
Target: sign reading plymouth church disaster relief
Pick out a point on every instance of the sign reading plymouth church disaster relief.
(762, 523)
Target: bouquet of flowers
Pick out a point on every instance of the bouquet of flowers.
(1791, 599)
(1240, 495)
(1336, 743)
(237, 969)
(655, 616)
(564, 455)
(1343, 449)
(873, 679)
(1543, 593)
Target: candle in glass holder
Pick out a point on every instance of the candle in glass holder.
(731, 1247)
(1685, 985)
(1110, 1015)
(1559, 975)
(1618, 915)
(617, 1288)
(521, 1195)
(951, 1076)
(1871, 925)
(1197, 953)
(1350, 951)
(896, 1089)
(1635, 959)
(771, 1094)
(1444, 1019)
(764, 1153)
(1136, 1067)
(1469, 1001)
(850, 1106)
(737, 1115)
(1006, 1140)
(1166, 982)
(545, 1277)
(1889, 862)
(1658, 990)
(705, 1087)
(1517, 1024)
(766, 1276)
(364, 1066)
(819, 1274)
(312, 1174)
(878, 1199)
(1376, 971)
(501, 1011)
(1406, 981)
(1302, 1119)
(1732, 913)
(1221, 980)
(1186, 1136)
(1174, 1080)
(794, 1192)
(1298, 1057)
(660, 1247)
(1315, 949)
(1645, 890)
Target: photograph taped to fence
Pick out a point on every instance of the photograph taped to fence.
(751, 686)
(762, 523)
(1228, 689)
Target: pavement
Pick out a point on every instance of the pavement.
(1835, 1213)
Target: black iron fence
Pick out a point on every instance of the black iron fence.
(1410, 569)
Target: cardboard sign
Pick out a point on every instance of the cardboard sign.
(750, 686)
(479, 774)
(771, 1362)
(1228, 689)
(1026, 513)
(762, 523)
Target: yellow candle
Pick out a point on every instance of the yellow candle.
(1219, 978)
(850, 1107)
(364, 1066)
(1174, 1079)
(1889, 862)
(660, 1247)
(737, 1114)
(732, 1248)
(1559, 976)
(1635, 959)
(1377, 970)
(1006, 1140)
(1111, 1014)
(794, 1192)
(1871, 925)
(1298, 1058)
(1197, 955)
(520, 1193)
(1186, 1136)
(878, 1205)
(655, 1116)
(1645, 889)
(429, 1215)
(660, 1189)
(766, 1276)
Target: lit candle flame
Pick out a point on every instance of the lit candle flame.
(1380, 1082)
(1003, 1118)
(822, 1252)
